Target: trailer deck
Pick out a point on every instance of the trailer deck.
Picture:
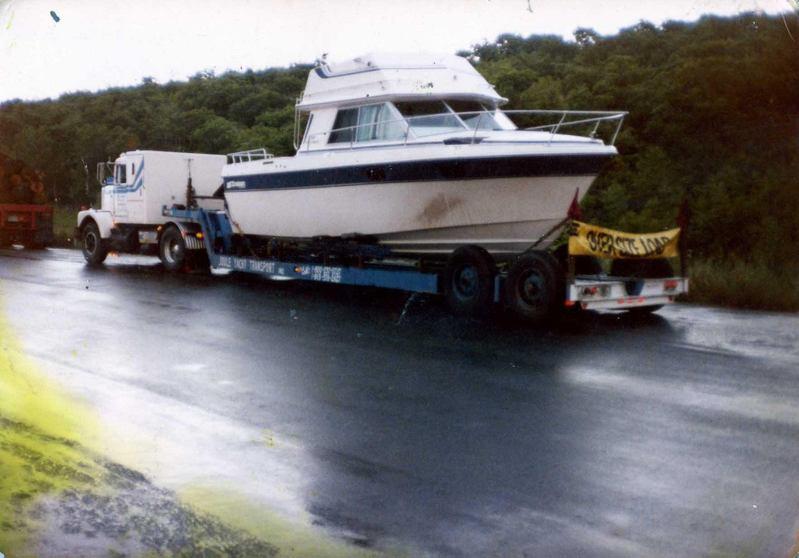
(214, 234)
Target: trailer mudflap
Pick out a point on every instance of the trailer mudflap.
(621, 293)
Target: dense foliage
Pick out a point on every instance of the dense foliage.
(714, 119)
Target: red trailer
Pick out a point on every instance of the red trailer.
(27, 224)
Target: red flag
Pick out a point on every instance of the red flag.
(575, 212)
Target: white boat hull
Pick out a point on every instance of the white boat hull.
(504, 215)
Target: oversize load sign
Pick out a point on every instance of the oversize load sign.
(589, 240)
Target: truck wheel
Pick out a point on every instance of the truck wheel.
(172, 250)
(469, 281)
(94, 247)
(534, 287)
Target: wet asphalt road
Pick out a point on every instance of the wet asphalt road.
(418, 432)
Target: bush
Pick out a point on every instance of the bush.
(744, 285)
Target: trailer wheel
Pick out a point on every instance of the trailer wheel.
(172, 249)
(534, 287)
(469, 281)
(94, 247)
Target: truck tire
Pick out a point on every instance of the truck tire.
(469, 281)
(534, 287)
(172, 250)
(95, 249)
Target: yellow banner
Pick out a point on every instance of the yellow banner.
(589, 240)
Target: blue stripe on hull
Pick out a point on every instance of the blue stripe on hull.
(424, 171)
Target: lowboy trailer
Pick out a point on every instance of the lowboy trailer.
(534, 287)
(170, 203)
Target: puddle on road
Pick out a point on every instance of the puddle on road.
(59, 496)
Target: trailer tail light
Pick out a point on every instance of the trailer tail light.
(671, 285)
(199, 235)
(595, 290)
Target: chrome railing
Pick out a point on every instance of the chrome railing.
(250, 155)
(596, 116)
(568, 118)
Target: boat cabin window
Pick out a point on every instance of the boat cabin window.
(429, 117)
(343, 127)
(379, 122)
(367, 123)
(474, 115)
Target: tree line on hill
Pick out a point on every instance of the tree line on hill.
(714, 120)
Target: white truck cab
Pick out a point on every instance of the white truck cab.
(136, 187)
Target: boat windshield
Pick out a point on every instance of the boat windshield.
(474, 115)
(427, 118)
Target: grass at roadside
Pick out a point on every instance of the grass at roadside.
(743, 285)
(64, 225)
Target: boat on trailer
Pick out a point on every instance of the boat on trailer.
(415, 153)
(408, 175)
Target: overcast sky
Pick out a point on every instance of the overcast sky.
(101, 43)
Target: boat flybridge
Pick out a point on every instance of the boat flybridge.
(415, 153)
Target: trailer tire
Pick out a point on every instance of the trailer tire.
(469, 281)
(94, 248)
(172, 250)
(534, 287)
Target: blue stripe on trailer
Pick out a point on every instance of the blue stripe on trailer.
(407, 280)
(215, 225)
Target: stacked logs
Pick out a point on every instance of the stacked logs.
(19, 183)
